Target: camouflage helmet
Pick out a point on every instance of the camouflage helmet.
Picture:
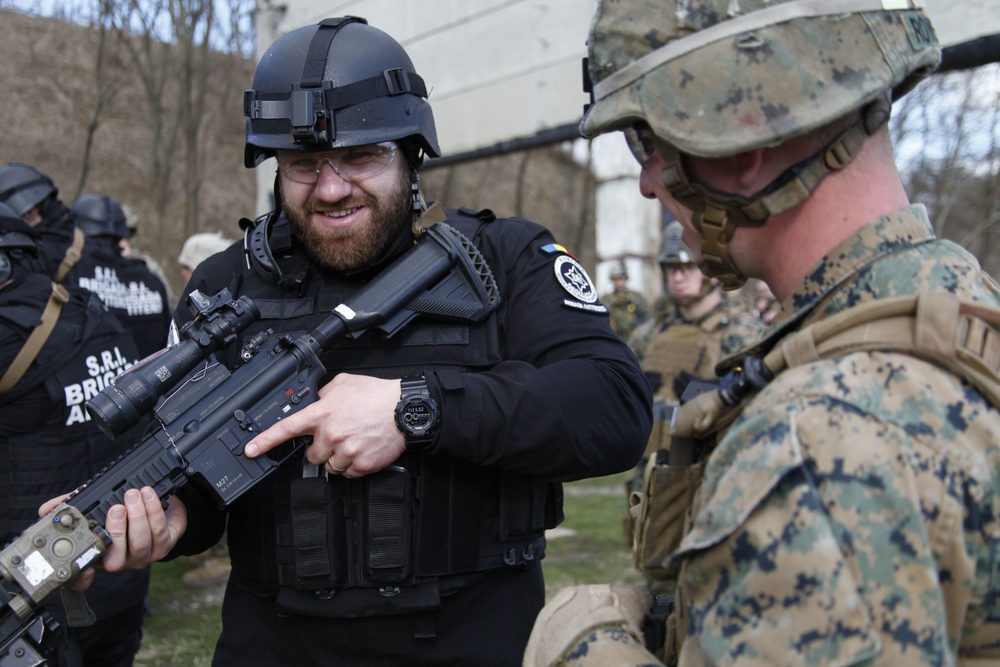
(675, 251)
(23, 187)
(715, 78)
(619, 270)
(100, 215)
(337, 83)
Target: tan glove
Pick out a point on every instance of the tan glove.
(577, 611)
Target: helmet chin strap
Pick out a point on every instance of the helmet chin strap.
(717, 214)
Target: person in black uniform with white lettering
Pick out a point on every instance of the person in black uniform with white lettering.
(58, 347)
(126, 286)
(416, 545)
(35, 198)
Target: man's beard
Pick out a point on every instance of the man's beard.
(346, 250)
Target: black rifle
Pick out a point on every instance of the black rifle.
(205, 423)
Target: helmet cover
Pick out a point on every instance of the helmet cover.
(716, 78)
(675, 251)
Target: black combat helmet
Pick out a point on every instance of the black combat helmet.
(100, 215)
(338, 83)
(16, 238)
(22, 188)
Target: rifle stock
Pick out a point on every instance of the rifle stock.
(204, 424)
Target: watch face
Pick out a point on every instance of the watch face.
(417, 416)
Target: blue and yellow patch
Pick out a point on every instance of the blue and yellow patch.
(553, 248)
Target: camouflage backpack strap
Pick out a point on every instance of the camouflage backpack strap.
(33, 345)
(73, 254)
(961, 336)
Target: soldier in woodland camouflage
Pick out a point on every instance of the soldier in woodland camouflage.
(626, 307)
(685, 341)
(699, 327)
(847, 510)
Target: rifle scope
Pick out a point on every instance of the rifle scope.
(135, 392)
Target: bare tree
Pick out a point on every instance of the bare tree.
(107, 82)
(947, 134)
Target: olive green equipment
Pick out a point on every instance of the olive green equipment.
(962, 337)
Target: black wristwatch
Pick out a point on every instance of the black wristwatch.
(417, 414)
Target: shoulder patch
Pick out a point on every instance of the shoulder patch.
(574, 279)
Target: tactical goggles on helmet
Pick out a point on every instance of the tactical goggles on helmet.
(352, 163)
(640, 141)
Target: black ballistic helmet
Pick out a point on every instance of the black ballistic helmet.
(338, 83)
(22, 188)
(100, 215)
(16, 238)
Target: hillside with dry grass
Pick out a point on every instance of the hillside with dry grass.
(51, 92)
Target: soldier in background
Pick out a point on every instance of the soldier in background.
(59, 346)
(626, 307)
(126, 286)
(698, 327)
(843, 499)
(35, 198)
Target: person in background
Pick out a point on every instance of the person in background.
(626, 307)
(699, 326)
(199, 247)
(838, 500)
(34, 197)
(57, 344)
(126, 286)
(412, 528)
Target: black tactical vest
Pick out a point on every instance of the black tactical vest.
(387, 543)
(86, 349)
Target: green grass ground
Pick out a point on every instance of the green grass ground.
(588, 548)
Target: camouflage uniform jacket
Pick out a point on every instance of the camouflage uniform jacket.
(851, 514)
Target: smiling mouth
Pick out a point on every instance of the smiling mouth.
(341, 214)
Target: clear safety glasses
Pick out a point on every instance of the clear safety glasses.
(352, 163)
(640, 141)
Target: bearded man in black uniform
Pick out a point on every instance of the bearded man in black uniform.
(58, 347)
(386, 545)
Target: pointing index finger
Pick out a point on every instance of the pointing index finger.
(281, 432)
